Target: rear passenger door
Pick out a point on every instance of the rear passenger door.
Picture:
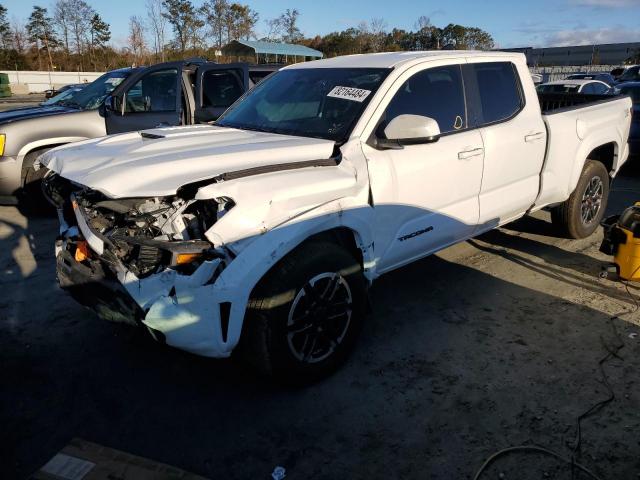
(151, 99)
(217, 87)
(514, 138)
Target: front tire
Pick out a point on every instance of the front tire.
(305, 314)
(30, 195)
(580, 215)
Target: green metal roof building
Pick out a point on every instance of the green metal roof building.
(270, 52)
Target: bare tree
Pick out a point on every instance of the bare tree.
(80, 15)
(275, 29)
(136, 40)
(158, 26)
(285, 27)
(423, 22)
(20, 37)
(62, 19)
(378, 31)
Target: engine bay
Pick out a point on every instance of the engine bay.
(146, 235)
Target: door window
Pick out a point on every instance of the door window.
(155, 92)
(436, 93)
(494, 92)
(220, 88)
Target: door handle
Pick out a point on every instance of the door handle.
(533, 137)
(470, 153)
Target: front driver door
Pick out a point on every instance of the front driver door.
(426, 196)
(151, 99)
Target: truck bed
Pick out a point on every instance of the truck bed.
(556, 101)
(576, 126)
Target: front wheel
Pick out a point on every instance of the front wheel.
(30, 195)
(581, 213)
(304, 316)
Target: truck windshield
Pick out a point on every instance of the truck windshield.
(91, 97)
(61, 97)
(307, 102)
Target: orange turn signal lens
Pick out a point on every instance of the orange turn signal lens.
(184, 258)
(82, 251)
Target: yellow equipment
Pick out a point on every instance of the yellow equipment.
(622, 240)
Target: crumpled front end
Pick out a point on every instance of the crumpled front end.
(146, 261)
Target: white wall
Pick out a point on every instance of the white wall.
(41, 81)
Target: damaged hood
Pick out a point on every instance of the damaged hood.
(158, 162)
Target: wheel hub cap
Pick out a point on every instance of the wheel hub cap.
(592, 200)
(319, 317)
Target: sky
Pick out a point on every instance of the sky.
(512, 23)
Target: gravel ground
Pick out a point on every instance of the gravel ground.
(491, 343)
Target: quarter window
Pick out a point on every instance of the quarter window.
(436, 93)
(155, 92)
(496, 92)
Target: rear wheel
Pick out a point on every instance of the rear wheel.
(304, 316)
(580, 215)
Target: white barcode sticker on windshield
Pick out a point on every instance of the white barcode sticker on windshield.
(349, 93)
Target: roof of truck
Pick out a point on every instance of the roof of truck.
(394, 59)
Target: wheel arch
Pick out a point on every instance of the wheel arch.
(605, 152)
(237, 281)
(39, 145)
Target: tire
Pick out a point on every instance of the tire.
(30, 195)
(288, 332)
(580, 215)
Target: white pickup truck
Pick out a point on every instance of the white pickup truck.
(264, 231)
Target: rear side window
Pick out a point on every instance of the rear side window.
(437, 93)
(220, 88)
(494, 92)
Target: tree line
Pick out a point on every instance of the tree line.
(70, 35)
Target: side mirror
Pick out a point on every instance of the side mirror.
(409, 130)
(113, 104)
